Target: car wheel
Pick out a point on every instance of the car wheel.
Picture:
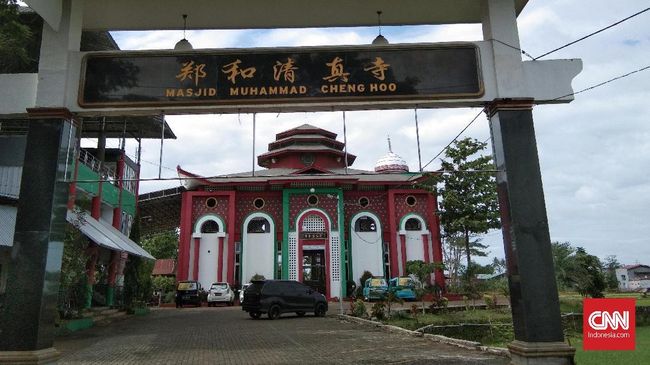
(300, 314)
(274, 311)
(255, 315)
(320, 310)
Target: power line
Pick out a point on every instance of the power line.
(560, 97)
(513, 47)
(452, 141)
(591, 34)
(604, 82)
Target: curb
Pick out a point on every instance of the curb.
(470, 345)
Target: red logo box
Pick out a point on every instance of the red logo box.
(609, 324)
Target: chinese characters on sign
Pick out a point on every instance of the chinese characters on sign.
(293, 75)
(313, 235)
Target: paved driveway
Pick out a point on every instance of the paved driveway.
(226, 335)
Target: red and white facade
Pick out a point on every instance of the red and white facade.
(307, 217)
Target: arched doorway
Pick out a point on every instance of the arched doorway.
(314, 247)
(367, 246)
(415, 242)
(208, 252)
(258, 247)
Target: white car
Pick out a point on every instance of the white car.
(241, 292)
(220, 293)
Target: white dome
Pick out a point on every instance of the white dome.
(391, 162)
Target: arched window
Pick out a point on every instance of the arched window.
(413, 224)
(258, 225)
(313, 223)
(365, 224)
(210, 226)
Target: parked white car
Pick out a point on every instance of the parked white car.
(220, 293)
(241, 292)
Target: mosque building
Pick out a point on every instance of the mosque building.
(307, 216)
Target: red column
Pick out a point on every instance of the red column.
(119, 174)
(402, 239)
(197, 244)
(96, 204)
(425, 246)
(73, 185)
(220, 261)
(392, 226)
(112, 269)
(185, 237)
(231, 237)
(436, 242)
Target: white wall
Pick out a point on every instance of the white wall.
(17, 93)
(414, 248)
(208, 258)
(367, 252)
(258, 256)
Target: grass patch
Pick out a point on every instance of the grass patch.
(640, 300)
(467, 325)
(638, 356)
(453, 317)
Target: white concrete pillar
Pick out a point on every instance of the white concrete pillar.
(500, 27)
(54, 62)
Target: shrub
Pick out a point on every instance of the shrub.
(257, 277)
(359, 309)
(365, 276)
(378, 311)
(439, 303)
(490, 301)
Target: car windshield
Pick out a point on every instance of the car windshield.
(219, 286)
(404, 282)
(377, 282)
(186, 286)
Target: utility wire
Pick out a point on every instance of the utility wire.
(604, 82)
(561, 97)
(513, 47)
(591, 34)
(452, 141)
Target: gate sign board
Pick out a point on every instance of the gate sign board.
(296, 75)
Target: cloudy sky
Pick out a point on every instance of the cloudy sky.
(594, 152)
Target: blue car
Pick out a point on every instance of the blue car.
(402, 287)
(375, 288)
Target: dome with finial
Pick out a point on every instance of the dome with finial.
(391, 162)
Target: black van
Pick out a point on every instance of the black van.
(188, 291)
(282, 296)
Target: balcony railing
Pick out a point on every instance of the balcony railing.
(94, 164)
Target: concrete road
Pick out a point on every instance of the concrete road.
(226, 335)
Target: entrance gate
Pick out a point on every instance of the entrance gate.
(494, 77)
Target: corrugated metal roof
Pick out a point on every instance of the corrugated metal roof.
(164, 267)
(105, 235)
(10, 181)
(7, 225)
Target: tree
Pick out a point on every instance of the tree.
(498, 265)
(577, 270)
(162, 246)
(610, 265)
(14, 35)
(562, 260)
(586, 275)
(422, 271)
(468, 192)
